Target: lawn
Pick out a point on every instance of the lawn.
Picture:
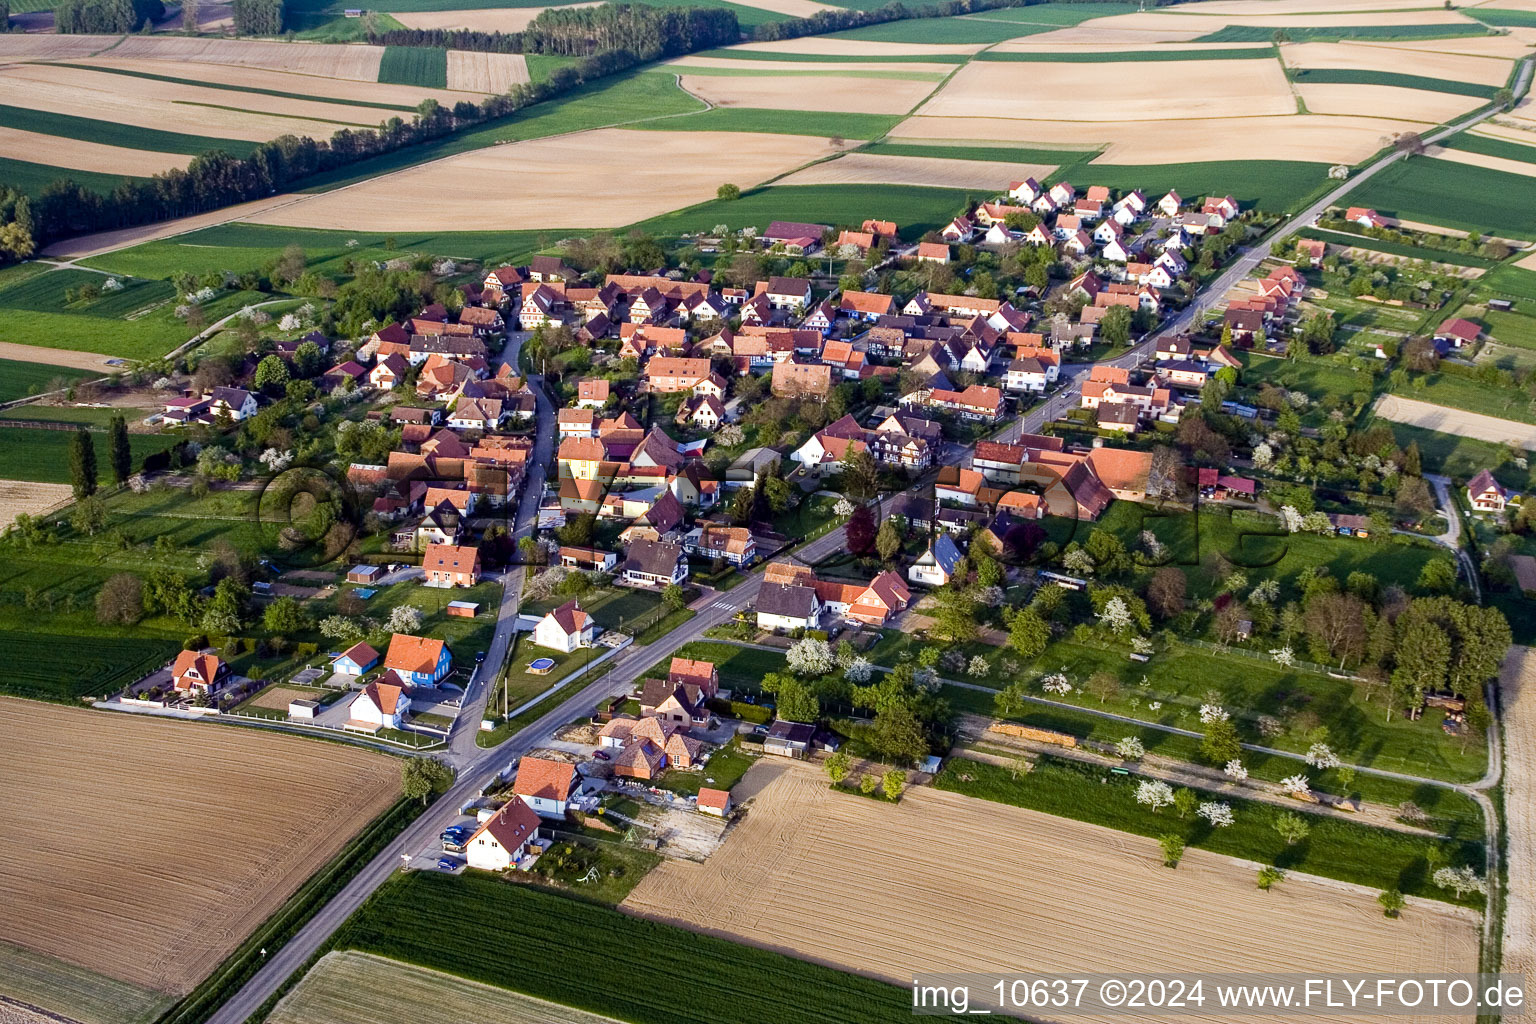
(1305, 34)
(47, 122)
(199, 83)
(498, 933)
(726, 767)
(1451, 194)
(415, 65)
(916, 209)
(1472, 395)
(1515, 329)
(1335, 848)
(741, 668)
(779, 122)
(43, 455)
(1319, 378)
(64, 668)
(18, 380)
(600, 869)
(612, 607)
(1357, 76)
(32, 178)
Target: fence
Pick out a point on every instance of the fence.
(287, 723)
(1247, 652)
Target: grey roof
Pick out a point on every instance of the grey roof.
(787, 599)
(1119, 412)
(945, 553)
(653, 557)
(792, 732)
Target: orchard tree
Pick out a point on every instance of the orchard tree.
(838, 766)
(120, 602)
(1292, 827)
(893, 783)
(1028, 634)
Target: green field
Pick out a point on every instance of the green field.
(1417, 252)
(731, 53)
(1502, 148)
(1504, 18)
(1506, 403)
(1509, 282)
(415, 65)
(409, 6)
(44, 666)
(32, 178)
(18, 380)
(1057, 15)
(1455, 195)
(1336, 848)
(499, 933)
(1356, 76)
(964, 29)
(201, 84)
(1276, 186)
(1134, 56)
(916, 209)
(43, 455)
(779, 122)
(541, 65)
(1299, 34)
(108, 133)
(1516, 329)
(1319, 378)
(1461, 457)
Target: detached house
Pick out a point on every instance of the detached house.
(788, 292)
(378, 706)
(788, 606)
(447, 565)
(655, 563)
(565, 628)
(1486, 494)
(500, 840)
(418, 660)
(732, 543)
(237, 403)
(195, 671)
(936, 566)
(545, 786)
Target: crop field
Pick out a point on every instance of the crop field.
(32, 178)
(20, 379)
(106, 133)
(1308, 33)
(1350, 76)
(46, 666)
(826, 124)
(850, 93)
(1451, 194)
(262, 82)
(918, 209)
(1487, 145)
(513, 18)
(348, 987)
(28, 453)
(1414, 105)
(1000, 885)
(156, 900)
(923, 31)
(414, 65)
(1368, 58)
(935, 171)
(72, 992)
(566, 182)
(485, 72)
(1456, 419)
(494, 932)
(1019, 52)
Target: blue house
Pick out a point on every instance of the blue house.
(419, 660)
(356, 660)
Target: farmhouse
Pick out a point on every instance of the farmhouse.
(197, 671)
(419, 660)
(565, 628)
(448, 565)
(545, 785)
(500, 840)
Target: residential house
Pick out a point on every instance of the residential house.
(732, 543)
(589, 559)
(418, 660)
(1122, 416)
(447, 565)
(868, 306)
(932, 252)
(355, 660)
(565, 628)
(233, 402)
(1458, 332)
(789, 739)
(1313, 250)
(958, 231)
(655, 563)
(380, 705)
(483, 414)
(194, 670)
(500, 841)
(1026, 191)
(1171, 204)
(1485, 494)
(787, 606)
(388, 372)
(593, 393)
(936, 566)
(667, 374)
(544, 785)
(705, 412)
(1365, 217)
(792, 293)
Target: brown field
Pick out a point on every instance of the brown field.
(1528, 262)
(810, 92)
(170, 106)
(277, 698)
(1298, 137)
(47, 46)
(208, 830)
(1033, 44)
(80, 155)
(1314, 17)
(10, 1013)
(1270, 7)
(55, 356)
(288, 81)
(1455, 421)
(510, 19)
(943, 882)
(330, 60)
(1517, 683)
(916, 170)
(1116, 91)
(1454, 66)
(604, 178)
(485, 72)
(22, 497)
(859, 47)
(1478, 46)
(1389, 100)
(1493, 163)
(810, 67)
(348, 987)
(792, 8)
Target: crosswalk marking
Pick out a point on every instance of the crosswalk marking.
(724, 606)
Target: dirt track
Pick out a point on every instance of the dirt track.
(1517, 684)
(945, 882)
(147, 850)
(19, 497)
(1456, 421)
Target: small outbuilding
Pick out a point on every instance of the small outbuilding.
(355, 660)
(789, 739)
(365, 574)
(714, 801)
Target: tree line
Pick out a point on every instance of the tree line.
(104, 17)
(618, 32)
(258, 17)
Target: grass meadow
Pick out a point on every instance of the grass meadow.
(42, 456)
(32, 178)
(18, 380)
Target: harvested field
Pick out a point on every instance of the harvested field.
(47, 46)
(330, 89)
(591, 179)
(348, 987)
(485, 72)
(1039, 44)
(1455, 421)
(1370, 57)
(1492, 163)
(157, 900)
(277, 698)
(808, 66)
(1480, 46)
(1413, 104)
(171, 107)
(1299, 137)
(1272, 7)
(22, 497)
(858, 47)
(997, 886)
(505, 19)
(79, 155)
(1520, 131)
(810, 92)
(1313, 18)
(12, 1013)
(1115, 91)
(55, 356)
(915, 170)
(790, 8)
(1517, 684)
(359, 63)
(1528, 262)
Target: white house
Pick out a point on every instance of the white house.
(240, 405)
(787, 606)
(1026, 191)
(545, 785)
(1170, 204)
(378, 706)
(935, 566)
(499, 842)
(565, 629)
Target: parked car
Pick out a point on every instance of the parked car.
(479, 657)
(447, 864)
(601, 755)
